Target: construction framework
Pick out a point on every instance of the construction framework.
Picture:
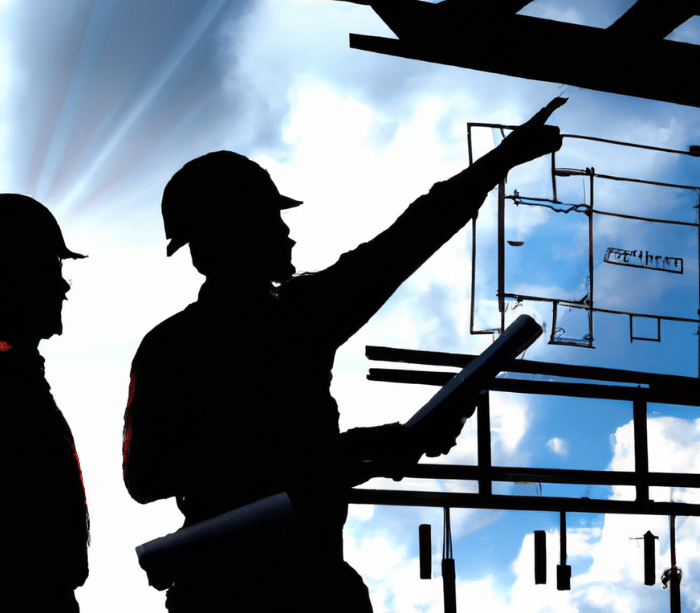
(639, 389)
(631, 57)
(590, 210)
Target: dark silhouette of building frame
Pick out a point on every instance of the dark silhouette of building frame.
(630, 57)
(638, 62)
(637, 388)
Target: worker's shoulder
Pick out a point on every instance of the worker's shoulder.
(168, 335)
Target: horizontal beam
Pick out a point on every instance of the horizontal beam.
(518, 503)
(673, 395)
(460, 360)
(555, 52)
(651, 19)
(591, 373)
(511, 474)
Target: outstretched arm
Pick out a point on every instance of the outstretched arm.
(342, 298)
(395, 254)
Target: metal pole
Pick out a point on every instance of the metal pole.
(501, 252)
(698, 207)
(483, 448)
(448, 566)
(590, 258)
(563, 569)
(641, 449)
(562, 537)
(675, 575)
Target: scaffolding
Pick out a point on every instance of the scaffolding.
(638, 389)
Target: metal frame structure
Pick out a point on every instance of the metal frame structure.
(589, 210)
(639, 389)
(632, 56)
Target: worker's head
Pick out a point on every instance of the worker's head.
(31, 283)
(228, 209)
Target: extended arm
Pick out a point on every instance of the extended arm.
(348, 293)
(364, 279)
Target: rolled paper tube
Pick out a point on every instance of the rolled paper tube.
(160, 555)
(454, 396)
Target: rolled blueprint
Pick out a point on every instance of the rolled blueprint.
(159, 556)
(457, 396)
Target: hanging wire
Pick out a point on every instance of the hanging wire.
(449, 578)
(446, 535)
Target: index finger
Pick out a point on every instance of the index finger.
(539, 118)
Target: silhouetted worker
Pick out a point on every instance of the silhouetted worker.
(44, 515)
(229, 399)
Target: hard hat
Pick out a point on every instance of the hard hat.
(213, 184)
(27, 225)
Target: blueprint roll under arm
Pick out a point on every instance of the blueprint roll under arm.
(457, 397)
(160, 556)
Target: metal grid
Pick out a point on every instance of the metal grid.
(639, 389)
(590, 210)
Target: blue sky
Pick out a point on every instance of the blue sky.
(102, 101)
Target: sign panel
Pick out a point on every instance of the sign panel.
(643, 259)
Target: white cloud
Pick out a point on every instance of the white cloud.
(509, 423)
(606, 561)
(352, 190)
(376, 555)
(614, 581)
(558, 446)
(362, 512)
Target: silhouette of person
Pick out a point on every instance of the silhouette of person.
(44, 513)
(229, 400)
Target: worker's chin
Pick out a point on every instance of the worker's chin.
(55, 330)
(284, 273)
(51, 326)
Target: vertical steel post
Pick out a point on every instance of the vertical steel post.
(540, 557)
(590, 259)
(563, 569)
(675, 587)
(449, 577)
(483, 442)
(425, 548)
(501, 252)
(698, 207)
(641, 449)
(473, 298)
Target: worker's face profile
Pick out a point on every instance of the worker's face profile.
(245, 235)
(33, 291)
(268, 244)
